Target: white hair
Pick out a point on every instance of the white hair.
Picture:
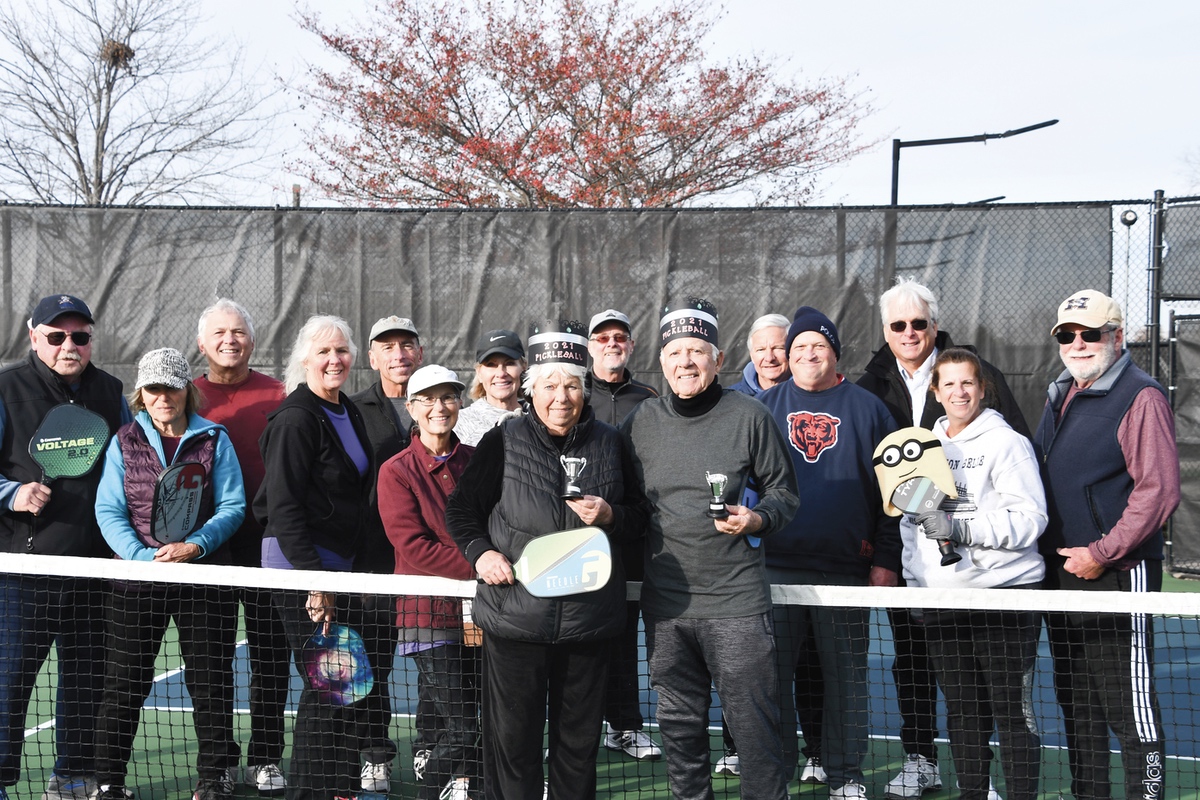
(231, 307)
(907, 293)
(766, 321)
(320, 326)
(539, 371)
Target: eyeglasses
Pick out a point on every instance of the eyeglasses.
(429, 402)
(1090, 335)
(604, 338)
(78, 338)
(917, 325)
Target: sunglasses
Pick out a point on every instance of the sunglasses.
(78, 338)
(604, 338)
(1091, 336)
(917, 325)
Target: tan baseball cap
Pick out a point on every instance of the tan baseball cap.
(1089, 308)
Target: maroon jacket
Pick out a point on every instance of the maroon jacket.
(413, 487)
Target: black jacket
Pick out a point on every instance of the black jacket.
(612, 402)
(376, 553)
(883, 379)
(67, 526)
(312, 493)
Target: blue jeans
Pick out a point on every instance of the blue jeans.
(35, 613)
(842, 637)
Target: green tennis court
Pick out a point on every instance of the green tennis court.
(165, 749)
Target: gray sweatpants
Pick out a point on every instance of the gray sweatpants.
(737, 656)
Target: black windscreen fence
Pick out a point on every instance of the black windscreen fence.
(998, 271)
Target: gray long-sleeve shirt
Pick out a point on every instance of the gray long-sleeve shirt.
(692, 570)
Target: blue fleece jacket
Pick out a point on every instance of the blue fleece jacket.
(229, 496)
(749, 383)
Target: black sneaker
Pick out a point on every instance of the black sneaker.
(220, 788)
(112, 793)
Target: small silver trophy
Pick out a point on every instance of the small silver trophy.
(574, 468)
(716, 485)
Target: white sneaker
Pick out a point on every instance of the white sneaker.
(456, 789)
(376, 777)
(420, 761)
(65, 787)
(266, 778)
(634, 743)
(729, 764)
(917, 776)
(813, 772)
(849, 791)
(992, 793)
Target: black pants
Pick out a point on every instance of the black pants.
(206, 618)
(524, 682)
(985, 662)
(37, 613)
(379, 620)
(1104, 678)
(621, 708)
(327, 739)
(270, 656)
(452, 682)
(916, 685)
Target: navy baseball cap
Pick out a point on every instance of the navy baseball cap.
(51, 308)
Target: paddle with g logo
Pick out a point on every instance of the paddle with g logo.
(565, 563)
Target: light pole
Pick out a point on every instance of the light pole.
(982, 137)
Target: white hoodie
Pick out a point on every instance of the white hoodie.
(1000, 492)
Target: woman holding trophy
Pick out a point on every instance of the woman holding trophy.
(554, 469)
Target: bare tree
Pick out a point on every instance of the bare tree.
(119, 102)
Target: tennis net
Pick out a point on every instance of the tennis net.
(165, 757)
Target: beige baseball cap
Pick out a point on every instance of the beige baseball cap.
(1089, 308)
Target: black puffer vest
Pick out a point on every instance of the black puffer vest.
(530, 506)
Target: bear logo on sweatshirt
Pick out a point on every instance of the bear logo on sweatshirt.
(812, 433)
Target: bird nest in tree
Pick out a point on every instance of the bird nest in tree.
(116, 54)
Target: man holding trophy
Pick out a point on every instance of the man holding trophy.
(705, 598)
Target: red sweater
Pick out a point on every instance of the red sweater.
(243, 408)
(413, 487)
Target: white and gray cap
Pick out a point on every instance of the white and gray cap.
(608, 315)
(432, 375)
(392, 324)
(165, 366)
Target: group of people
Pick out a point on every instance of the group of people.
(403, 478)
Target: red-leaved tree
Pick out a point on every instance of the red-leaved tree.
(563, 104)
